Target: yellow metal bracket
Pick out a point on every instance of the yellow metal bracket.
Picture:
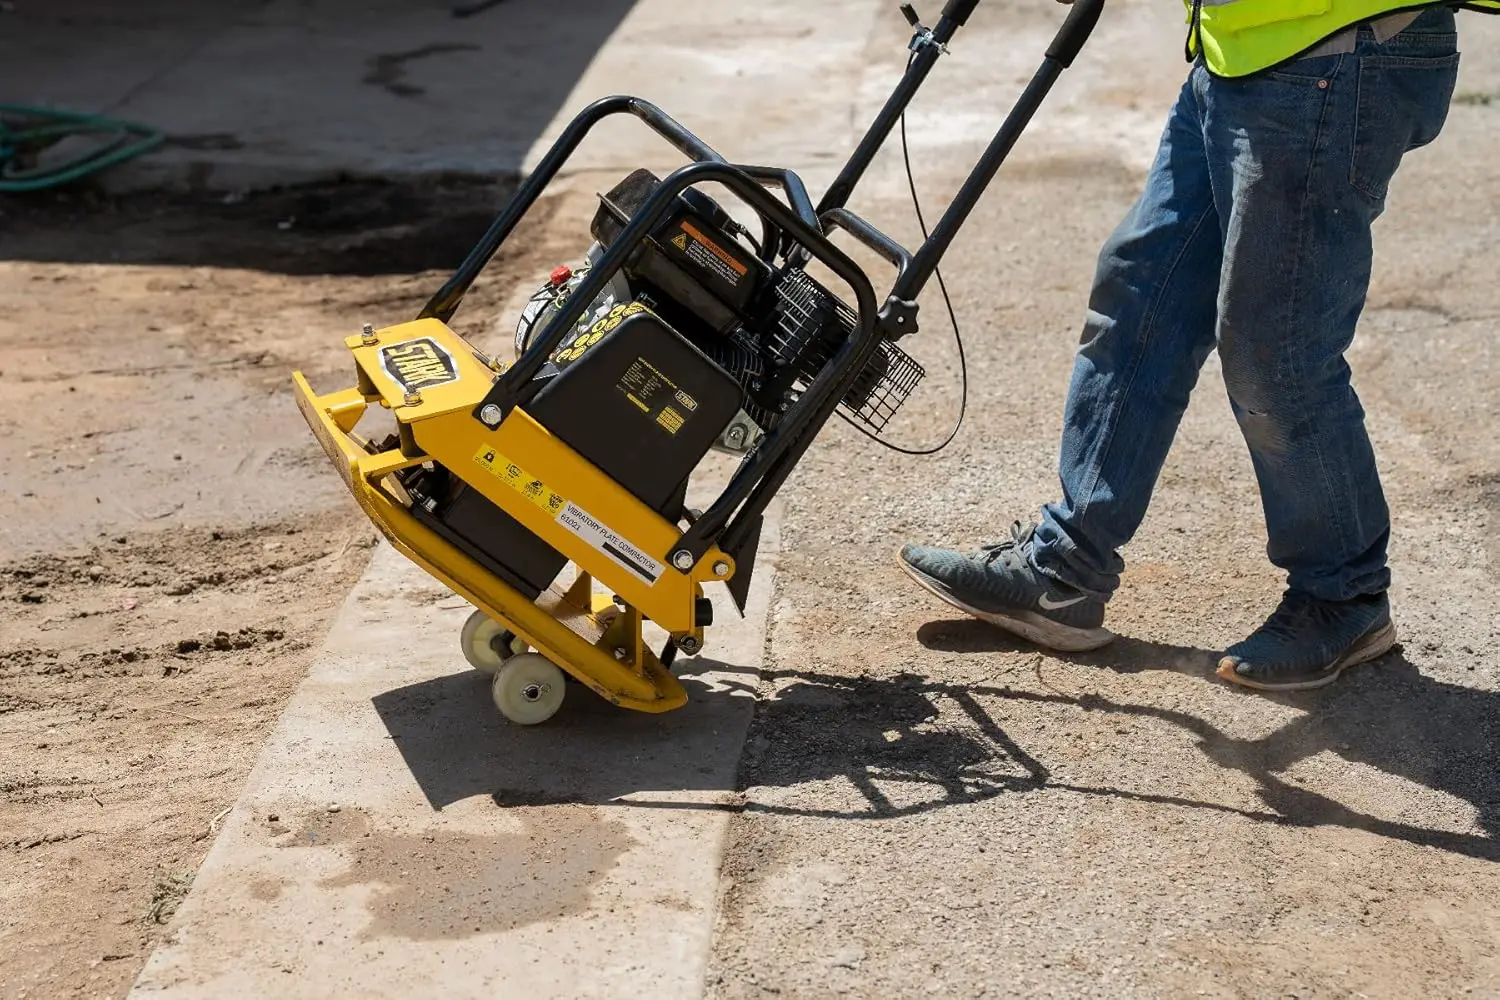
(580, 643)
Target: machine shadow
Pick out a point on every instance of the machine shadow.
(906, 744)
(1386, 715)
(457, 746)
(364, 226)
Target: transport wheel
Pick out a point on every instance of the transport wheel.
(487, 644)
(528, 689)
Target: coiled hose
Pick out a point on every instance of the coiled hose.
(26, 130)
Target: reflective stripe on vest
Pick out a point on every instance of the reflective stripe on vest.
(1239, 37)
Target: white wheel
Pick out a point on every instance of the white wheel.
(528, 689)
(483, 642)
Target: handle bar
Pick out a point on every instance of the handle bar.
(1075, 31)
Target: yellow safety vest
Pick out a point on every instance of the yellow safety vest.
(1240, 37)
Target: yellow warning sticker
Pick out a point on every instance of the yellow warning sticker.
(670, 419)
(595, 333)
(519, 479)
(680, 241)
(578, 347)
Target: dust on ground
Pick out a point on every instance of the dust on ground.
(173, 544)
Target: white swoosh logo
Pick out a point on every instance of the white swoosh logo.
(1049, 604)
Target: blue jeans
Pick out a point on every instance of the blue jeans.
(1253, 235)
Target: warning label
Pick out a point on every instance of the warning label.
(576, 520)
(670, 419)
(654, 395)
(577, 344)
(708, 255)
(519, 479)
(568, 514)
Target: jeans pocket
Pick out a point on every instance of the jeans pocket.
(1307, 72)
(1402, 104)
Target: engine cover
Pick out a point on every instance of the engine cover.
(690, 255)
(639, 401)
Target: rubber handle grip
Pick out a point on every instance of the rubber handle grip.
(958, 11)
(1075, 31)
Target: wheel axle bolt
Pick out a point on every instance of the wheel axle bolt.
(682, 559)
(721, 568)
(489, 415)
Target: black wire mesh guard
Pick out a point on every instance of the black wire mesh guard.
(812, 324)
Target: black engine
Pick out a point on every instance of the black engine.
(697, 344)
(770, 329)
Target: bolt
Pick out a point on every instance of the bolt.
(489, 415)
(736, 435)
(367, 335)
(688, 645)
(721, 568)
(682, 559)
(412, 399)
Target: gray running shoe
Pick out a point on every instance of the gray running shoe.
(1307, 643)
(999, 585)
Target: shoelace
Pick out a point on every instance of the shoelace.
(1012, 545)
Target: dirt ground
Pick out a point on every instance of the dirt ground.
(173, 544)
(930, 808)
(935, 809)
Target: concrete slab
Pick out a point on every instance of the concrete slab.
(95, 55)
(398, 837)
(294, 91)
(290, 91)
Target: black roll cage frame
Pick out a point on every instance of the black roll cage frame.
(797, 230)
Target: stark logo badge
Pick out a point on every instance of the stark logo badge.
(418, 364)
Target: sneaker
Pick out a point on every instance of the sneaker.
(1307, 643)
(999, 585)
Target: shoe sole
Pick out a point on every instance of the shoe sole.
(1371, 647)
(1042, 631)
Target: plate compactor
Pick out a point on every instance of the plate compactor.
(550, 493)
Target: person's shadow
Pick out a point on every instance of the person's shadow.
(1385, 714)
(908, 744)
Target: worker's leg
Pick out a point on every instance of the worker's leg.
(1148, 329)
(1302, 160)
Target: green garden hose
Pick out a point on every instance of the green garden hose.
(25, 131)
